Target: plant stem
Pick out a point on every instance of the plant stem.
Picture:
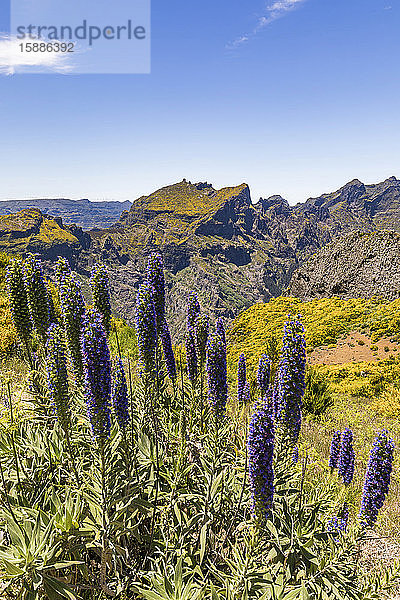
(72, 457)
(117, 338)
(157, 473)
(12, 436)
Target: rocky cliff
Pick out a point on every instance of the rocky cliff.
(355, 265)
(82, 213)
(30, 231)
(233, 252)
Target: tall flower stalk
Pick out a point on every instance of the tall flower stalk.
(72, 311)
(57, 380)
(261, 452)
(119, 396)
(61, 269)
(156, 280)
(101, 294)
(264, 374)
(168, 351)
(18, 300)
(146, 329)
(97, 371)
(202, 329)
(291, 382)
(216, 367)
(377, 479)
(193, 311)
(191, 357)
(241, 378)
(346, 457)
(37, 294)
(220, 329)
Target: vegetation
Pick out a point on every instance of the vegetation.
(171, 496)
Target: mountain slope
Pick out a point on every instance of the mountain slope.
(30, 231)
(233, 252)
(83, 213)
(354, 265)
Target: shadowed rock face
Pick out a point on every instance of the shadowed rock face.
(354, 265)
(232, 252)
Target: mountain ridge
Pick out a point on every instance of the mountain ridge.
(233, 251)
(83, 213)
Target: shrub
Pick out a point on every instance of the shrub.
(318, 395)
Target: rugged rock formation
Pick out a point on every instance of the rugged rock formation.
(83, 213)
(232, 252)
(30, 231)
(354, 265)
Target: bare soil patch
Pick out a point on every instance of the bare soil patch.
(355, 347)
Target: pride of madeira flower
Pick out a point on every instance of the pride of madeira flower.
(191, 356)
(377, 479)
(168, 351)
(155, 278)
(346, 457)
(146, 328)
(97, 371)
(119, 395)
(18, 300)
(72, 310)
(335, 450)
(101, 294)
(261, 453)
(57, 376)
(193, 311)
(263, 374)
(37, 294)
(216, 367)
(291, 381)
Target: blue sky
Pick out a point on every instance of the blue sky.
(306, 103)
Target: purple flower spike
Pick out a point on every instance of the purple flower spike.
(101, 294)
(335, 450)
(193, 310)
(220, 329)
(346, 457)
(377, 479)
(155, 277)
(97, 370)
(291, 381)
(146, 328)
(57, 376)
(191, 356)
(261, 451)
(217, 373)
(168, 350)
(241, 377)
(120, 400)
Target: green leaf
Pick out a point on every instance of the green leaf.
(56, 589)
(203, 541)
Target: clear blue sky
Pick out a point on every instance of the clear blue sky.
(308, 102)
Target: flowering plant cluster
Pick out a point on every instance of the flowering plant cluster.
(117, 487)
